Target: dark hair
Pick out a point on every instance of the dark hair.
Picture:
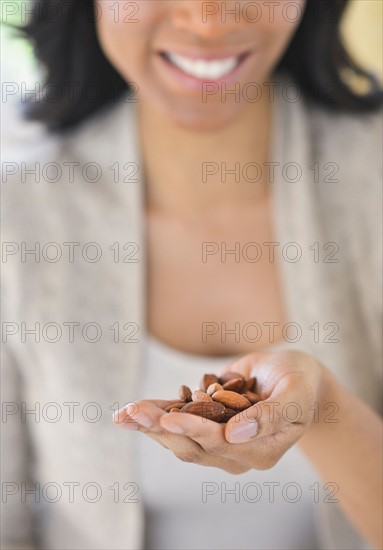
(69, 51)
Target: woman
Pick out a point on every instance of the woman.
(219, 211)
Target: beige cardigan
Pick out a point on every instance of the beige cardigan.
(106, 292)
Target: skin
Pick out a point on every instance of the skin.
(132, 47)
(181, 213)
(347, 452)
(172, 118)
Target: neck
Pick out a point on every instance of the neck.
(192, 173)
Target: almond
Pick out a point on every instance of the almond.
(174, 410)
(199, 395)
(235, 384)
(185, 394)
(231, 399)
(213, 388)
(228, 376)
(252, 397)
(210, 410)
(229, 413)
(207, 380)
(250, 384)
(174, 405)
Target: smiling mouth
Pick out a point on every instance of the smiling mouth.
(204, 69)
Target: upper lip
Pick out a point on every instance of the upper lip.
(203, 54)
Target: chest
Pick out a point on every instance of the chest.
(213, 288)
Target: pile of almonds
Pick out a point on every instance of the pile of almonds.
(219, 398)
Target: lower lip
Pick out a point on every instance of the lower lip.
(195, 84)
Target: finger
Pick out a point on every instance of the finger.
(183, 447)
(140, 415)
(286, 407)
(208, 434)
(144, 414)
(187, 450)
(244, 365)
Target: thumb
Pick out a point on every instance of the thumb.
(267, 417)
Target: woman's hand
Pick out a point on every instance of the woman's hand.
(290, 386)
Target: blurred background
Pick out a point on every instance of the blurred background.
(363, 32)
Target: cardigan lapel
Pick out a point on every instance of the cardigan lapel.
(319, 294)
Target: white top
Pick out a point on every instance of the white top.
(177, 513)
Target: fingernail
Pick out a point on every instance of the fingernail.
(121, 419)
(120, 416)
(243, 432)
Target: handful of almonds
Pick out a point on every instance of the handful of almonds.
(218, 398)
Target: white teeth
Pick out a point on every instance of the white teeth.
(200, 68)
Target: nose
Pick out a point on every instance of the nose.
(206, 19)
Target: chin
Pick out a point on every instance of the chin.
(201, 120)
